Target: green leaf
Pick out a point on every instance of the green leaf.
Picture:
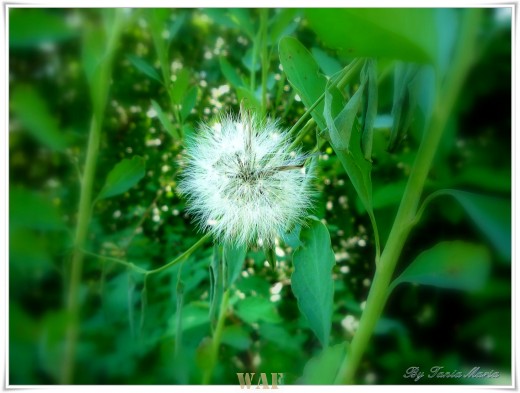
(492, 216)
(237, 337)
(311, 281)
(242, 18)
(345, 138)
(230, 74)
(145, 68)
(256, 308)
(404, 102)
(451, 264)
(323, 368)
(180, 85)
(28, 209)
(250, 100)
(328, 64)
(33, 113)
(370, 111)
(122, 177)
(407, 34)
(190, 99)
(166, 123)
(176, 25)
(234, 257)
(282, 23)
(216, 283)
(30, 27)
(303, 74)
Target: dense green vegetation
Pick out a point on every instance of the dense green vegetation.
(111, 282)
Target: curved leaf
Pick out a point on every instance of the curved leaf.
(122, 177)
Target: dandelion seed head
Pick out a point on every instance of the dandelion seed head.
(241, 177)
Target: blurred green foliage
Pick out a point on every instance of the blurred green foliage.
(174, 68)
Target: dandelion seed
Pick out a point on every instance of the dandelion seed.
(241, 177)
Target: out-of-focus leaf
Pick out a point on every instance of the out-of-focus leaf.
(33, 113)
(405, 100)
(30, 27)
(491, 215)
(407, 34)
(370, 111)
(451, 264)
(52, 341)
(176, 25)
(190, 99)
(28, 209)
(311, 281)
(252, 64)
(323, 368)
(123, 176)
(282, 23)
(179, 87)
(255, 309)
(485, 178)
(279, 335)
(216, 282)
(234, 257)
(328, 64)
(194, 314)
(166, 123)
(230, 74)
(237, 337)
(292, 238)
(242, 18)
(145, 68)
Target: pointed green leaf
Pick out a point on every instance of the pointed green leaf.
(234, 257)
(257, 308)
(166, 123)
(451, 264)
(250, 100)
(230, 73)
(311, 281)
(190, 99)
(180, 85)
(370, 111)
(122, 177)
(492, 216)
(33, 113)
(282, 23)
(328, 64)
(145, 68)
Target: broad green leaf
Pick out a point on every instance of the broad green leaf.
(279, 335)
(450, 264)
(328, 64)
(322, 369)
(256, 308)
(303, 74)
(408, 34)
(122, 177)
(189, 101)
(145, 68)
(492, 216)
(251, 62)
(28, 209)
(230, 74)
(30, 27)
(370, 111)
(311, 281)
(194, 314)
(166, 123)
(31, 109)
(234, 257)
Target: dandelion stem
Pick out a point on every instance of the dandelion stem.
(405, 217)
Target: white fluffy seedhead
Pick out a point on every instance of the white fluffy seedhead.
(241, 181)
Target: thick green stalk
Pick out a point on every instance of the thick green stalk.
(85, 208)
(405, 217)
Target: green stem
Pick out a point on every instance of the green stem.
(217, 337)
(264, 57)
(303, 133)
(406, 213)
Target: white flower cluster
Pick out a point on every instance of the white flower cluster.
(242, 182)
